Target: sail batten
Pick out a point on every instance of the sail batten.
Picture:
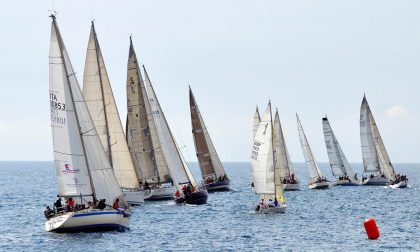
(86, 171)
(100, 100)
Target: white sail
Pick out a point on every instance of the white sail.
(257, 121)
(382, 155)
(141, 130)
(178, 168)
(314, 171)
(208, 159)
(281, 154)
(370, 157)
(262, 157)
(338, 161)
(100, 100)
(81, 163)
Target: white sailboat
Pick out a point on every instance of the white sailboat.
(287, 175)
(101, 103)
(83, 171)
(213, 173)
(317, 180)
(265, 171)
(187, 189)
(142, 137)
(340, 167)
(375, 156)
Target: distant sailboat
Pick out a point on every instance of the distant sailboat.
(265, 171)
(282, 158)
(375, 156)
(100, 100)
(340, 167)
(214, 175)
(142, 137)
(317, 180)
(187, 189)
(83, 171)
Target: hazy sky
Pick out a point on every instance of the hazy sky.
(309, 57)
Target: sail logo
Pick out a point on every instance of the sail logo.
(265, 129)
(67, 169)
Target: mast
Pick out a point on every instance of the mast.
(61, 44)
(97, 49)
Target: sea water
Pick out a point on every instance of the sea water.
(315, 220)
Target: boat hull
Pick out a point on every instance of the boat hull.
(218, 186)
(134, 197)
(88, 221)
(277, 209)
(195, 198)
(320, 185)
(165, 193)
(291, 187)
(345, 182)
(376, 181)
(401, 184)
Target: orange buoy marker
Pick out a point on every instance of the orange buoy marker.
(372, 230)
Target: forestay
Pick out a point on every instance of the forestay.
(178, 168)
(101, 103)
(314, 171)
(208, 159)
(338, 161)
(81, 163)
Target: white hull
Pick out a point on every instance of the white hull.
(376, 181)
(291, 187)
(402, 184)
(134, 197)
(164, 193)
(277, 209)
(346, 182)
(88, 220)
(320, 185)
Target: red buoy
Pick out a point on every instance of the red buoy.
(372, 230)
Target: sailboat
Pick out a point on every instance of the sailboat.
(83, 171)
(317, 180)
(142, 137)
(187, 189)
(287, 175)
(375, 156)
(213, 173)
(340, 167)
(100, 101)
(265, 171)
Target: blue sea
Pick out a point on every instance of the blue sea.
(315, 220)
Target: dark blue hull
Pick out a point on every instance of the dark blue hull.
(218, 186)
(92, 228)
(195, 198)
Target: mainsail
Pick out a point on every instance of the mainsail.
(257, 121)
(208, 159)
(373, 148)
(101, 103)
(142, 137)
(282, 159)
(338, 161)
(178, 168)
(266, 175)
(314, 171)
(81, 163)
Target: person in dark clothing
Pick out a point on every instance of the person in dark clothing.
(48, 213)
(58, 206)
(146, 186)
(101, 204)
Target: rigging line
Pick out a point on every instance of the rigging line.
(68, 154)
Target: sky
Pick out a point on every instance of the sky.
(313, 58)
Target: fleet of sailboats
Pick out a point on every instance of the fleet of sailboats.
(265, 168)
(83, 170)
(317, 180)
(100, 101)
(142, 136)
(212, 171)
(98, 163)
(375, 157)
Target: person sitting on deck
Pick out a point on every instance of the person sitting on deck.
(276, 202)
(116, 204)
(270, 203)
(71, 204)
(48, 212)
(177, 194)
(225, 177)
(146, 186)
(58, 206)
(101, 204)
(262, 204)
(220, 178)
